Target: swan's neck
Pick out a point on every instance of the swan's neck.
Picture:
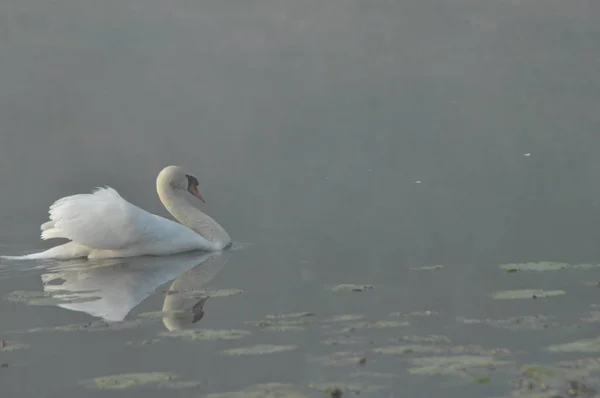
(192, 217)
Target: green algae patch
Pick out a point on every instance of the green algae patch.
(427, 268)
(585, 345)
(6, 346)
(342, 358)
(258, 349)
(207, 334)
(455, 365)
(337, 389)
(526, 294)
(37, 298)
(266, 390)
(131, 380)
(350, 288)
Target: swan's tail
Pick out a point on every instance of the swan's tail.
(66, 251)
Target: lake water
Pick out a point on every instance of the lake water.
(344, 146)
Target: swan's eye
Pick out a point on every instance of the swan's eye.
(193, 187)
(192, 182)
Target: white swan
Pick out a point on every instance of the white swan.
(104, 225)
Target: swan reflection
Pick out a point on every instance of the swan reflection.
(110, 289)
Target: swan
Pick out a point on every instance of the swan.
(102, 224)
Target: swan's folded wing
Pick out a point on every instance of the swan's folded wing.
(100, 220)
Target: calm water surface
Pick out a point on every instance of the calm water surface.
(338, 142)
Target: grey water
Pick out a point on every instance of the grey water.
(338, 142)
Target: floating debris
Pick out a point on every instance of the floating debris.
(258, 349)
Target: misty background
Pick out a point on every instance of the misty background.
(309, 122)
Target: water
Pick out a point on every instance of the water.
(347, 143)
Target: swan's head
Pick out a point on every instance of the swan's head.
(179, 180)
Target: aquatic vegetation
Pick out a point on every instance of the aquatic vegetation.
(427, 268)
(430, 339)
(353, 327)
(585, 345)
(344, 318)
(342, 358)
(526, 294)
(6, 346)
(346, 340)
(216, 292)
(141, 343)
(339, 388)
(266, 390)
(130, 380)
(559, 380)
(206, 334)
(43, 298)
(527, 322)
(537, 266)
(96, 326)
(258, 349)
(455, 365)
(543, 266)
(292, 315)
(592, 317)
(351, 288)
(407, 349)
(414, 313)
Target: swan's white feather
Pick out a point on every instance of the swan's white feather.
(108, 225)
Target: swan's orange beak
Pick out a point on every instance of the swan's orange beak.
(194, 191)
